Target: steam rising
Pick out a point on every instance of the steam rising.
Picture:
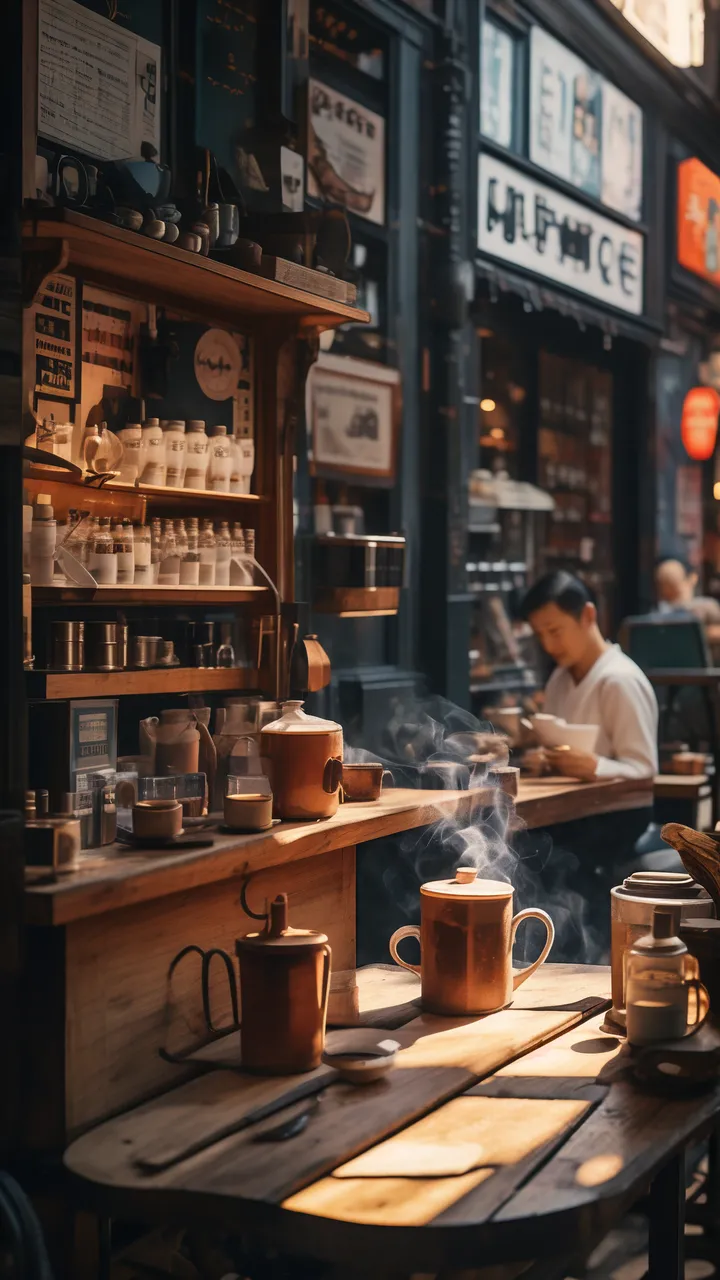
(433, 743)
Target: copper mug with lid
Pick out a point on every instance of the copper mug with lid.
(284, 990)
(466, 938)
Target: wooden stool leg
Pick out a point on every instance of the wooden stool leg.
(666, 1249)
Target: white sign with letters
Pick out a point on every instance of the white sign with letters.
(533, 227)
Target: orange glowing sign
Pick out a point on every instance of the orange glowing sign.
(698, 220)
(698, 428)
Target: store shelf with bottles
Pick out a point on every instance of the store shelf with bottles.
(137, 266)
(70, 490)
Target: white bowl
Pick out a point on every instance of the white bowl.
(360, 1055)
(552, 731)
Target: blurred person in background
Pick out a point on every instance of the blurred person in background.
(675, 585)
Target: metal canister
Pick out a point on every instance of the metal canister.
(68, 646)
(102, 646)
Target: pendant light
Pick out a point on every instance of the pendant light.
(698, 428)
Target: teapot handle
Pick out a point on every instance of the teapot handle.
(702, 1006)
(332, 775)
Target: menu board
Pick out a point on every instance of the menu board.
(226, 80)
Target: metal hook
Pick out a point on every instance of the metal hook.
(254, 915)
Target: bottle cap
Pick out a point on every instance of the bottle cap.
(195, 424)
(43, 507)
(220, 431)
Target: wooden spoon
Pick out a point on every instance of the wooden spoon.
(700, 853)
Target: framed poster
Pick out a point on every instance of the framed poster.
(353, 413)
(622, 152)
(53, 316)
(698, 220)
(497, 84)
(674, 27)
(534, 227)
(582, 128)
(553, 72)
(346, 152)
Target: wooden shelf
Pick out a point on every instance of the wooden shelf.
(44, 479)
(146, 595)
(131, 264)
(112, 684)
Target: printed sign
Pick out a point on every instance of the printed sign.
(531, 226)
(351, 406)
(53, 319)
(346, 152)
(582, 128)
(98, 84)
(698, 220)
(496, 84)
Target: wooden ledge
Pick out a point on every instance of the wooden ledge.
(120, 877)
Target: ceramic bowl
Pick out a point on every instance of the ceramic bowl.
(551, 731)
(360, 1056)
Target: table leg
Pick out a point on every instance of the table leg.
(666, 1249)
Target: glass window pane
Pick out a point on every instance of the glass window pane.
(497, 84)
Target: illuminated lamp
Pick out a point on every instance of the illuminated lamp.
(698, 428)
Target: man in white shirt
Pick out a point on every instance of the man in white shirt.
(594, 683)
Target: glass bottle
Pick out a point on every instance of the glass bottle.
(86, 534)
(156, 548)
(169, 574)
(235, 459)
(241, 574)
(181, 537)
(225, 656)
(223, 543)
(125, 551)
(196, 448)
(130, 437)
(659, 973)
(208, 555)
(190, 562)
(175, 454)
(103, 563)
(142, 548)
(220, 462)
(152, 453)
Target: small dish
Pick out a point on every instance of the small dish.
(360, 1056)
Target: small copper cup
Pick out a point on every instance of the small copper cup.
(364, 782)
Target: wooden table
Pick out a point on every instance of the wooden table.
(101, 939)
(543, 1147)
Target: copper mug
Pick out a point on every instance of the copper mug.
(466, 937)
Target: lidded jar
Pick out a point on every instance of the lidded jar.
(284, 986)
(304, 756)
(631, 908)
(659, 974)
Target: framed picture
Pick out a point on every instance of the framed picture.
(346, 152)
(353, 413)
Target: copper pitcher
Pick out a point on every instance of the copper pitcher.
(466, 937)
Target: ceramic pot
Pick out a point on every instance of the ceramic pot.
(466, 937)
(363, 781)
(303, 759)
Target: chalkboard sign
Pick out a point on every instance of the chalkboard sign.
(226, 77)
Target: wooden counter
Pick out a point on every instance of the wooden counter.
(99, 1005)
(122, 877)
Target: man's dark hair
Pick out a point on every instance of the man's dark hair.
(560, 588)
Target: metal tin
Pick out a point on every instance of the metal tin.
(101, 646)
(68, 646)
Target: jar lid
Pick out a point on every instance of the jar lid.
(278, 935)
(295, 720)
(661, 884)
(465, 884)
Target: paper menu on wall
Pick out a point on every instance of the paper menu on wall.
(98, 84)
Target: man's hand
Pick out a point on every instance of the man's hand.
(572, 763)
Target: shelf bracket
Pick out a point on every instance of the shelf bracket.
(40, 259)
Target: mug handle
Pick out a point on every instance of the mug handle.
(407, 931)
(531, 913)
(702, 1006)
